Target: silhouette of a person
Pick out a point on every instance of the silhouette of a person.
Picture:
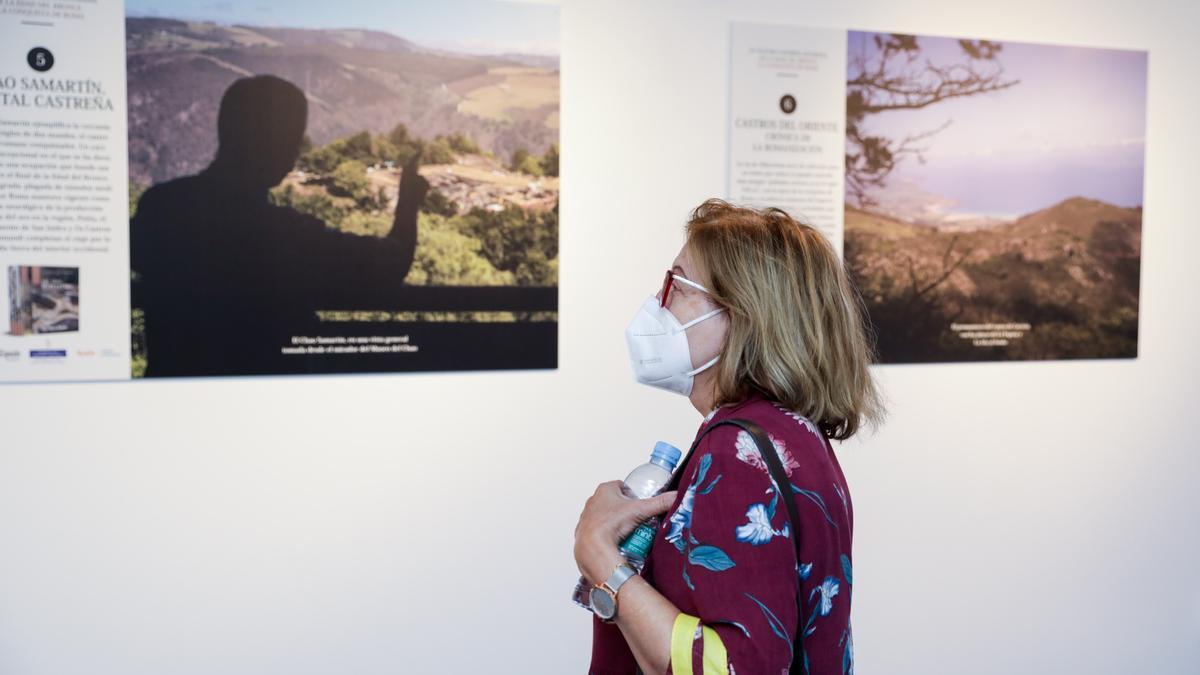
(225, 277)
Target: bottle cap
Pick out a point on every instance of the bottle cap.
(667, 453)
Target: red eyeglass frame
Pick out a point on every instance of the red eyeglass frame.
(665, 293)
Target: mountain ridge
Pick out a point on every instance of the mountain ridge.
(355, 80)
(1071, 270)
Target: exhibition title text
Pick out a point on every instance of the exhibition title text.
(786, 135)
(55, 94)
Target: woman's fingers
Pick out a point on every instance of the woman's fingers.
(620, 514)
(659, 504)
(643, 509)
(610, 488)
(630, 513)
(608, 517)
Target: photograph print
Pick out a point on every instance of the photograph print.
(362, 186)
(994, 197)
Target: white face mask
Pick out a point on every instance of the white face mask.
(658, 346)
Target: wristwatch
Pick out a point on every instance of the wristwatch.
(604, 596)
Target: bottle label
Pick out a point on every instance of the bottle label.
(639, 541)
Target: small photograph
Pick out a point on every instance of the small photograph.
(43, 299)
(994, 197)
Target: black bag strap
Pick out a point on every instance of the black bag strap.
(783, 485)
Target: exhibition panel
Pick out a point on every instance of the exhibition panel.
(992, 199)
(302, 197)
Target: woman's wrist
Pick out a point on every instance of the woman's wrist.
(632, 597)
(600, 564)
(646, 620)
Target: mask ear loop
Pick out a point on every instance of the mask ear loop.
(710, 364)
(693, 322)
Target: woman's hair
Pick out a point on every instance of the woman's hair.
(796, 324)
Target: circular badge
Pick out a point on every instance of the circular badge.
(787, 104)
(40, 59)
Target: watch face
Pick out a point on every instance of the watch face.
(603, 604)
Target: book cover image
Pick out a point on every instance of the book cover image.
(43, 299)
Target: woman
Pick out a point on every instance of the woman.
(756, 320)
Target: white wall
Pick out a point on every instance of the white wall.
(1010, 517)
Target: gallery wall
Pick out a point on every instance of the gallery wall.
(1010, 517)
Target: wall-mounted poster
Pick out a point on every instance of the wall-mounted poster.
(786, 130)
(64, 248)
(360, 186)
(278, 187)
(993, 195)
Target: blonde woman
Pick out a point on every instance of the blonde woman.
(755, 321)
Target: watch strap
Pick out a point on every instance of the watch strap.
(621, 573)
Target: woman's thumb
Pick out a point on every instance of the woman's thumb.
(658, 504)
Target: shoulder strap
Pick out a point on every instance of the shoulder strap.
(784, 485)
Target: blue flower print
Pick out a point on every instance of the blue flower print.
(847, 640)
(847, 643)
(828, 588)
(680, 522)
(759, 531)
(804, 570)
(682, 518)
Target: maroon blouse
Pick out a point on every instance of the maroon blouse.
(724, 553)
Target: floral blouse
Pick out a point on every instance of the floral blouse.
(724, 556)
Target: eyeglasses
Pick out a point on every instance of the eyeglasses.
(665, 294)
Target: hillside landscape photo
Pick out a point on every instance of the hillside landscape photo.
(976, 230)
(485, 126)
(465, 94)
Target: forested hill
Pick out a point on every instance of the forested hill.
(354, 79)
(1071, 270)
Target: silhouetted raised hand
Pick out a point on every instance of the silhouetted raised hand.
(413, 187)
(226, 277)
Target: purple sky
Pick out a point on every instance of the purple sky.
(1074, 126)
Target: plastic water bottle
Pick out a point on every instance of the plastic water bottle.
(645, 481)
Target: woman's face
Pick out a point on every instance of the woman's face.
(706, 338)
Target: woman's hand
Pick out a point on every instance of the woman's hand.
(608, 516)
